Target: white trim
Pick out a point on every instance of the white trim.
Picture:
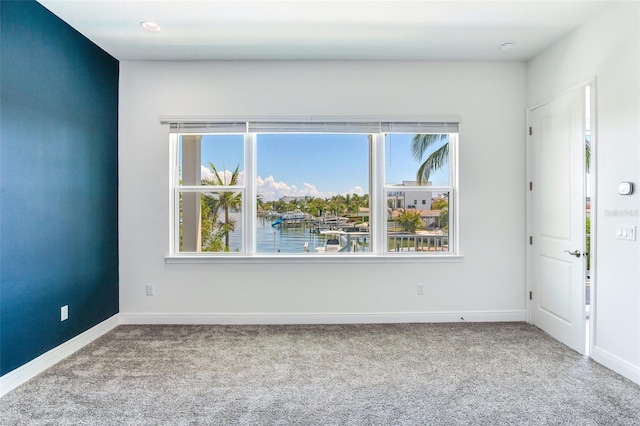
(620, 366)
(377, 200)
(249, 203)
(578, 86)
(314, 259)
(454, 209)
(529, 234)
(166, 119)
(593, 173)
(174, 210)
(22, 374)
(323, 318)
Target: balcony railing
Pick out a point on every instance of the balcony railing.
(418, 242)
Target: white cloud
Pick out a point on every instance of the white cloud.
(225, 175)
(205, 173)
(355, 190)
(271, 190)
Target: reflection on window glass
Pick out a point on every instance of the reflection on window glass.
(413, 229)
(313, 193)
(417, 160)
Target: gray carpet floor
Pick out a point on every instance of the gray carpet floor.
(393, 374)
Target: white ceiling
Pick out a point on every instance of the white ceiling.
(324, 30)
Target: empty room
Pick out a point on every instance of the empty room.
(319, 212)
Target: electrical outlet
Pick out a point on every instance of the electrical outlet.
(420, 289)
(150, 290)
(64, 313)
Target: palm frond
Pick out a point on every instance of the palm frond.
(435, 161)
(422, 142)
(234, 176)
(215, 179)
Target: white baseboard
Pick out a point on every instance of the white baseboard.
(620, 366)
(322, 318)
(22, 374)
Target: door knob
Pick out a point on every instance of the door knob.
(575, 253)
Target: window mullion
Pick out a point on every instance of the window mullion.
(251, 209)
(377, 221)
(454, 217)
(174, 215)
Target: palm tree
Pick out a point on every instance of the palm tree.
(438, 158)
(224, 200)
(351, 203)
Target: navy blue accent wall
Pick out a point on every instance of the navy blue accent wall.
(58, 182)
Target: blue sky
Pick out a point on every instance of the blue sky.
(319, 165)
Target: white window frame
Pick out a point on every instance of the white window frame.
(451, 189)
(377, 201)
(245, 190)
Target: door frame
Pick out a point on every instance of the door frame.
(592, 83)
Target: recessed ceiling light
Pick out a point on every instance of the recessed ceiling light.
(507, 45)
(150, 26)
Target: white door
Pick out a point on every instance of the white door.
(558, 218)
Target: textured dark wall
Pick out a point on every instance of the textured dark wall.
(59, 183)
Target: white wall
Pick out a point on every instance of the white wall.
(607, 47)
(487, 284)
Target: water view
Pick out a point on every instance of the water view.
(312, 193)
(277, 239)
(290, 239)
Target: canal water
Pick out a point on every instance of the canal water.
(277, 239)
(292, 239)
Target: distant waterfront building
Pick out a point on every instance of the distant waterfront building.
(291, 198)
(419, 199)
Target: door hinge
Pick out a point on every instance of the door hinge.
(530, 186)
(530, 295)
(530, 240)
(530, 131)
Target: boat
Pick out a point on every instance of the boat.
(291, 217)
(336, 221)
(336, 242)
(296, 215)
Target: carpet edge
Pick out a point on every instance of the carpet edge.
(26, 372)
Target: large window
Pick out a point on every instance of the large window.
(313, 189)
(209, 193)
(418, 190)
(312, 192)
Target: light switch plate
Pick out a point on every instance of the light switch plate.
(626, 232)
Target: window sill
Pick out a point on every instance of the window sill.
(313, 259)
